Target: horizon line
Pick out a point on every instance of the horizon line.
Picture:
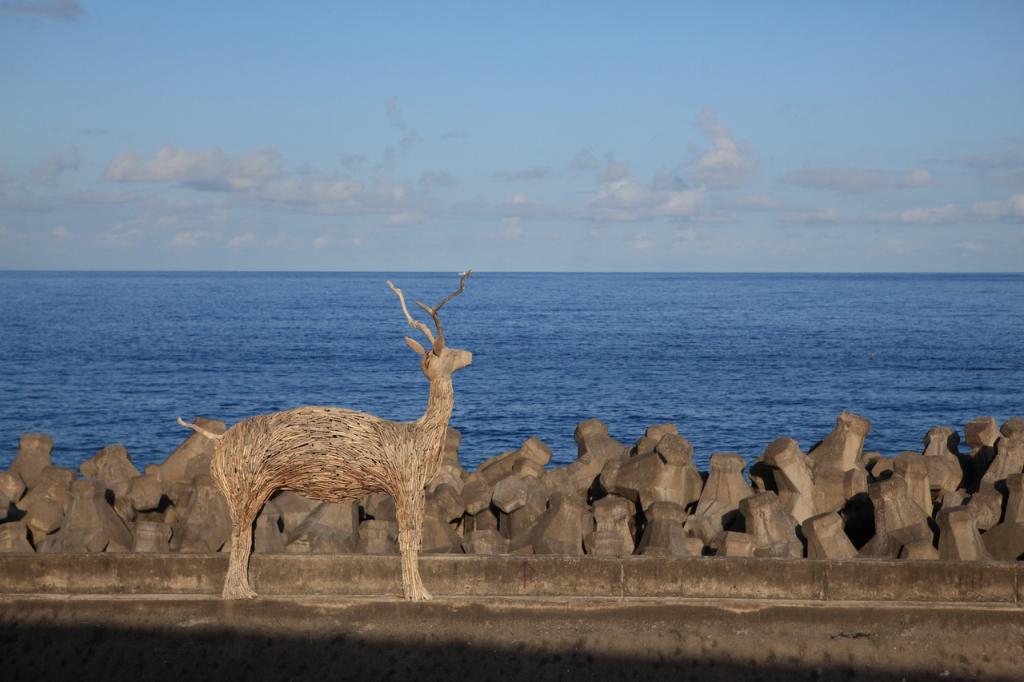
(518, 272)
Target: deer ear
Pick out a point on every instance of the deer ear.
(415, 345)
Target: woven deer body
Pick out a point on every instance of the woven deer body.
(334, 454)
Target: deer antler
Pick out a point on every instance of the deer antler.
(439, 343)
(412, 323)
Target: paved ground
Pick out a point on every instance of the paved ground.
(184, 639)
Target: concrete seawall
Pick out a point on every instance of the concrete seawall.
(532, 576)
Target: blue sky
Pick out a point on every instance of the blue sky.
(520, 136)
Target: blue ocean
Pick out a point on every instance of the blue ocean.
(735, 360)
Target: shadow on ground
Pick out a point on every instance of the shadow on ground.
(98, 652)
(267, 640)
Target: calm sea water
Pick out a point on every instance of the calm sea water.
(734, 360)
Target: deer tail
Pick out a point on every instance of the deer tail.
(200, 430)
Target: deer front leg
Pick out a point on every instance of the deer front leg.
(236, 584)
(409, 509)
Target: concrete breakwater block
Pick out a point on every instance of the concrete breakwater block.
(834, 501)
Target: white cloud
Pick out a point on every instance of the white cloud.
(826, 216)
(857, 180)
(123, 235)
(623, 193)
(836, 179)
(669, 179)
(311, 189)
(628, 200)
(681, 204)
(686, 234)
(437, 179)
(207, 170)
(893, 247)
(761, 202)
(1002, 160)
(929, 215)
(405, 218)
(181, 223)
(613, 170)
(1017, 205)
(726, 163)
(60, 232)
(394, 114)
(523, 174)
(56, 164)
(101, 198)
(583, 161)
(241, 240)
(261, 176)
(917, 177)
(320, 242)
(351, 160)
(1011, 210)
(277, 240)
(511, 229)
(410, 138)
(186, 239)
(1000, 168)
(973, 247)
(640, 241)
(49, 9)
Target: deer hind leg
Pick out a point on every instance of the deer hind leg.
(236, 584)
(409, 509)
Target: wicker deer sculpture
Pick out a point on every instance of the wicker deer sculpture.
(334, 454)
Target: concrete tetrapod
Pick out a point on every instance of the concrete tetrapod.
(842, 448)
(913, 468)
(1006, 540)
(772, 529)
(942, 454)
(592, 438)
(959, 538)
(981, 434)
(91, 525)
(33, 456)
(488, 542)
(1009, 459)
(268, 538)
(192, 458)
(664, 535)
(14, 538)
(11, 486)
(521, 499)
(559, 530)
(792, 475)
(111, 465)
(826, 538)
(898, 519)
(332, 528)
(718, 507)
(663, 474)
(151, 536)
(615, 530)
(207, 525)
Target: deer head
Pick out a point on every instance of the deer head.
(440, 361)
